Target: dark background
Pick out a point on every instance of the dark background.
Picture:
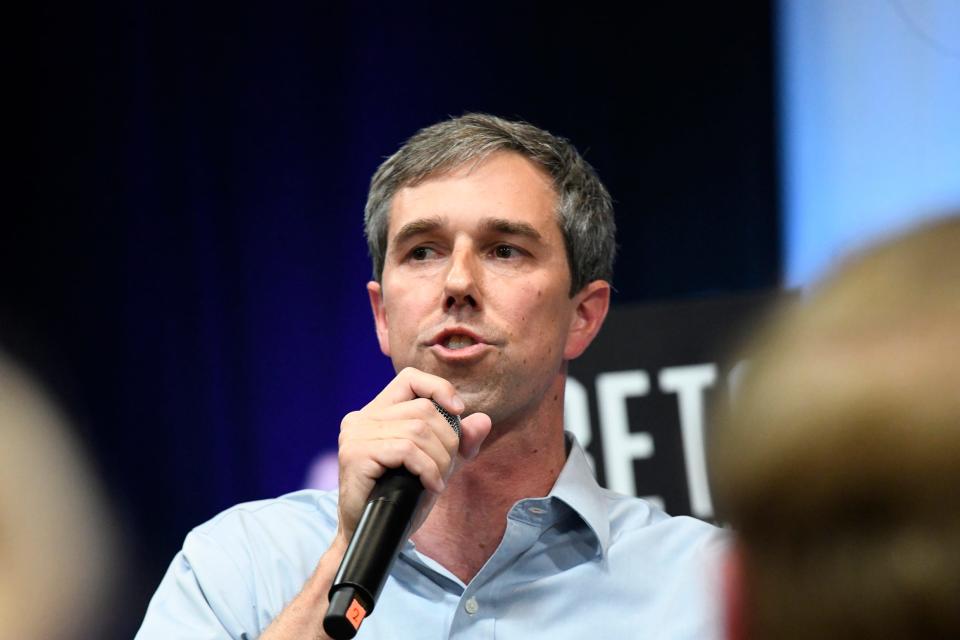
(183, 260)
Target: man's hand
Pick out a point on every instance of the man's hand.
(401, 427)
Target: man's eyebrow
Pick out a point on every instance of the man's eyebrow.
(411, 229)
(487, 225)
(510, 227)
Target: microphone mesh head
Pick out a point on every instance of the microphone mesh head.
(453, 420)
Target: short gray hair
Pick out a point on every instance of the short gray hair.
(584, 209)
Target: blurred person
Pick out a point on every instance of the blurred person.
(492, 245)
(838, 463)
(57, 552)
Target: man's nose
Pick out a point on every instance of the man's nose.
(462, 286)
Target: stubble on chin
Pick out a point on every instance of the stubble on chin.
(502, 395)
(482, 389)
(491, 387)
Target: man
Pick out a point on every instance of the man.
(492, 243)
(839, 464)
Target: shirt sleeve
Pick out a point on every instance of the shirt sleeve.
(197, 598)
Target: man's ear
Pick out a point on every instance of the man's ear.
(591, 306)
(379, 315)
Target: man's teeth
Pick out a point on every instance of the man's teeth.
(458, 342)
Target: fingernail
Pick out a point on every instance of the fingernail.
(458, 405)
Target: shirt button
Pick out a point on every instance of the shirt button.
(471, 606)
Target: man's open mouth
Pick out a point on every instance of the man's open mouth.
(458, 341)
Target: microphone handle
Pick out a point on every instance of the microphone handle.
(383, 528)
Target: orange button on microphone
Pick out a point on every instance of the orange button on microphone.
(356, 613)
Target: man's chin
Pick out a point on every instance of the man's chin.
(469, 377)
(477, 395)
(479, 389)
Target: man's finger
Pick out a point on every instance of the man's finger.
(393, 454)
(474, 429)
(381, 422)
(412, 383)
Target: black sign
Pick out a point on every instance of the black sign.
(639, 398)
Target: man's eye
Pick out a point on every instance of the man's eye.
(420, 253)
(505, 251)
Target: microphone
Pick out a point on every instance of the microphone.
(383, 527)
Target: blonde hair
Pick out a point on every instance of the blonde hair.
(839, 462)
(56, 543)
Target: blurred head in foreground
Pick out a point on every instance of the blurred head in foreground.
(54, 532)
(839, 462)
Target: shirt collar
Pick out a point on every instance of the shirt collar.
(577, 487)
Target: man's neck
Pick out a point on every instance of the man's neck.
(469, 519)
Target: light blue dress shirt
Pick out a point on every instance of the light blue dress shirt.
(582, 562)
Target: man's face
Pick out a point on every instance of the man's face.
(475, 285)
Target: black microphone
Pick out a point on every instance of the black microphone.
(383, 528)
